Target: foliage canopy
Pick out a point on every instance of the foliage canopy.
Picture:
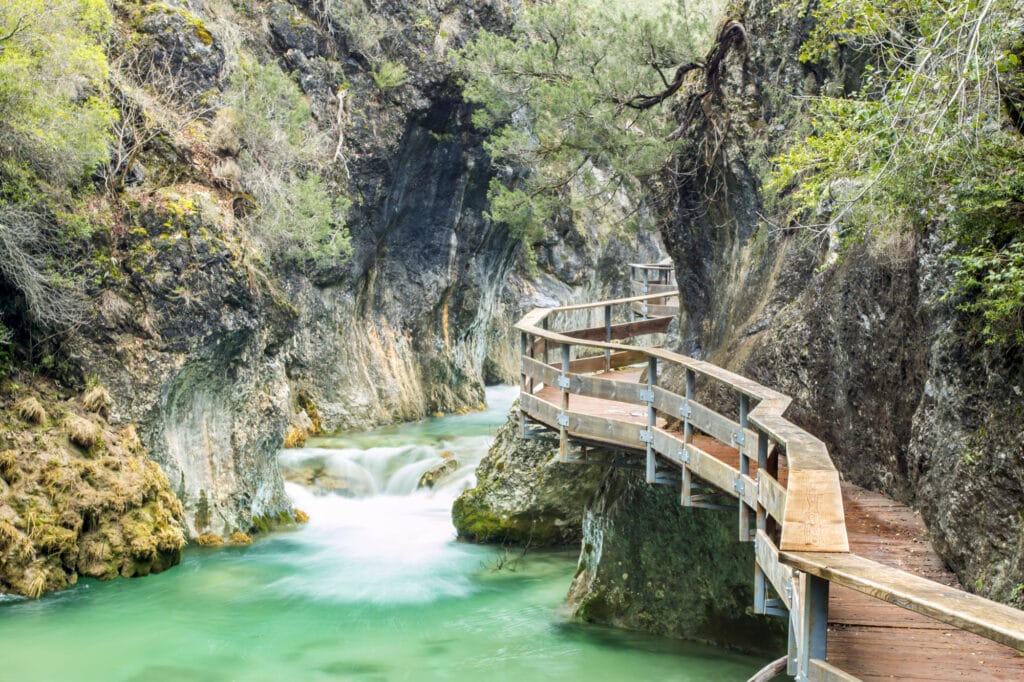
(933, 136)
(556, 97)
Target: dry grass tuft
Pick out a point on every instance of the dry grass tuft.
(97, 399)
(9, 465)
(301, 516)
(82, 432)
(240, 538)
(210, 540)
(32, 411)
(295, 438)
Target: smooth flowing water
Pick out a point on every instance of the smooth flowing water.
(375, 587)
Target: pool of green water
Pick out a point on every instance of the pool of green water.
(374, 588)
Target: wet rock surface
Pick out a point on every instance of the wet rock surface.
(649, 564)
(524, 495)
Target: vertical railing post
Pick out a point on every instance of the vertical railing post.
(563, 419)
(544, 324)
(608, 337)
(652, 417)
(760, 581)
(814, 622)
(741, 444)
(522, 382)
(691, 383)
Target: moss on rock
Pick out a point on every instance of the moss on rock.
(100, 509)
(524, 495)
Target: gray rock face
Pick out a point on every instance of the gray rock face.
(181, 55)
(190, 349)
(649, 564)
(879, 364)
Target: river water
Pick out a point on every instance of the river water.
(373, 588)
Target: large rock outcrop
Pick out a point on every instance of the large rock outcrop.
(649, 564)
(863, 336)
(524, 495)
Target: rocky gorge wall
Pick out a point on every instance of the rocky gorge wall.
(863, 336)
(214, 346)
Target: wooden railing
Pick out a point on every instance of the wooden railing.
(798, 527)
(653, 278)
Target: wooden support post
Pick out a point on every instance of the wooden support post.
(652, 417)
(814, 622)
(563, 433)
(691, 384)
(608, 337)
(522, 381)
(544, 324)
(741, 444)
(531, 344)
(760, 582)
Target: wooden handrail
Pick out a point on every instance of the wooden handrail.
(813, 547)
(814, 519)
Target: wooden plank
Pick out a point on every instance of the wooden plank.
(535, 369)
(607, 389)
(778, 574)
(655, 310)
(605, 430)
(653, 288)
(998, 622)
(717, 473)
(654, 325)
(771, 495)
(597, 363)
(822, 671)
(813, 520)
(539, 410)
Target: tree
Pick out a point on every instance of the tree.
(581, 97)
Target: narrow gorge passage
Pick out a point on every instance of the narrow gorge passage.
(374, 587)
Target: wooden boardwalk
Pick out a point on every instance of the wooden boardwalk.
(854, 572)
(868, 638)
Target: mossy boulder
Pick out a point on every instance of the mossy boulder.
(78, 497)
(524, 495)
(649, 564)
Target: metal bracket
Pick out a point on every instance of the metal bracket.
(739, 438)
(647, 396)
(563, 381)
(684, 456)
(646, 437)
(738, 485)
(686, 410)
(563, 420)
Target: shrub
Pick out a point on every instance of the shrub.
(389, 74)
(54, 113)
(298, 217)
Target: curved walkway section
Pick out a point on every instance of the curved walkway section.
(825, 555)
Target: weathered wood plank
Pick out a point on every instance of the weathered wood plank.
(656, 325)
(655, 310)
(813, 519)
(771, 495)
(607, 389)
(998, 622)
(597, 363)
(537, 370)
(718, 474)
(778, 574)
(822, 671)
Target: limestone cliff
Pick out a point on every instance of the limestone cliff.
(877, 357)
(213, 338)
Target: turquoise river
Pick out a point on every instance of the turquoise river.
(375, 587)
